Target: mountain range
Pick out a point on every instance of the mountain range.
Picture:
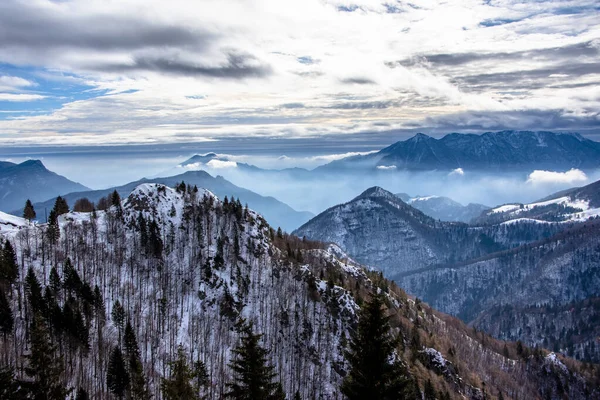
(216, 266)
(487, 274)
(491, 151)
(31, 180)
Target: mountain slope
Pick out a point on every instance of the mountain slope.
(502, 291)
(377, 228)
(494, 151)
(276, 212)
(31, 180)
(217, 263)
(578, 204)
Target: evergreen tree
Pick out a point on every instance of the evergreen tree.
(253, 375)
(44, 367)
(53, 230)
(60, 206)
(115, 199)
(200, 376)
(179, 385)
(6, 316)
(374, 371)
(29, 211)
(136, 370)
(118, 316)
(117, 377)
(9, 270)
(33, 289)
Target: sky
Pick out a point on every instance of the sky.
(108, 72)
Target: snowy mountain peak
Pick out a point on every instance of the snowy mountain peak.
(378, 192)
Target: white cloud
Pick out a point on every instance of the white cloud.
(572, 177)
(333, 157)
(177, 56)
(457, 171)
(386, 167)
(20, 97)
(219, 164)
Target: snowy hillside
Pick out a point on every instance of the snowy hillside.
(575, 205)
(180, 267)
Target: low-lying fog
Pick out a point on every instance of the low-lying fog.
(308, 192)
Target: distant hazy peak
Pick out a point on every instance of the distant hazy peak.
(378, 192)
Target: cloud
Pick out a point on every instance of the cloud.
(219, 164)
(334, 157)
(237, 66)
(572, 177)
(386, 167)
(298, 69)
(20, 97)
(14, 83)
(457, 172)
(357, 80)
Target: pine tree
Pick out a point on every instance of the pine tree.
(118, 316)
(33, 289)
(253, 375)
(60, 206)
(53, 230)
(29, 211)
(9, 270)
(117, 377)
(374, 371)
(6, 316)
(179, 384)
(44, 367)
(136, 370)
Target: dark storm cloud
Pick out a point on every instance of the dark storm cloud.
(238, 66)
(585, 49)
(529, 79)
(358, 80)
(38, 29)
(524, 119)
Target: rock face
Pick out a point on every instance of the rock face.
(493, 151)
(31, 180)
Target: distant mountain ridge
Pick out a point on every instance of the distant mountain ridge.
(31, 180)
(496, 151)
(444, 208)
(276, 212)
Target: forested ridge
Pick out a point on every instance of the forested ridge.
(172, 293)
